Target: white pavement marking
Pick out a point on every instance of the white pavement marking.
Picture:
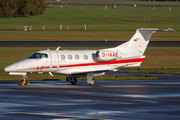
(27, 113)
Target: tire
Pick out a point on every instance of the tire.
(73, 80)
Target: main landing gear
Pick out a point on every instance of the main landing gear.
(73, 80)
(90, 79)
(23, 82)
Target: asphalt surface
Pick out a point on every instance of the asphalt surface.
(117, 99)
(81, 43)
(64, 3)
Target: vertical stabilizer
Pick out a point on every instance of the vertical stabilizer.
(138, 43)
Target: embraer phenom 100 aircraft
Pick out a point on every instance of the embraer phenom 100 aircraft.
(90, 63)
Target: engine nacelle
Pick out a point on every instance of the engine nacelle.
(104, 55)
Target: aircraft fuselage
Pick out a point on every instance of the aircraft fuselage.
(70, 62)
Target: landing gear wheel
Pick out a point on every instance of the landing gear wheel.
(27, 83)
(73, 80)
(23, 82)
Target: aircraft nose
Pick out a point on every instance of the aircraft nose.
(7, 69)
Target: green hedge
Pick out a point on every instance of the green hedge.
(21, 8)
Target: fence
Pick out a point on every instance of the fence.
(46, 28)
(60, 27)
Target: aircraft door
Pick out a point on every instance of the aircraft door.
(42, 62)
(54, 60)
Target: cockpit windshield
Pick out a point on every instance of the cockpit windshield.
(38, 55)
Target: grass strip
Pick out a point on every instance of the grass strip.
(156, 72)
(93, 35)
(123, 18)
(107, 77)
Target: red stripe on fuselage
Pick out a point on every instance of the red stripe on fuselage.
(93, 64)
(106, 63)
(54, 67)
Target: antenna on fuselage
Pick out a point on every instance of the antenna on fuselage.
(58, 48)
(50, 73)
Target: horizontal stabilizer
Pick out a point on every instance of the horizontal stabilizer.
(155, 29)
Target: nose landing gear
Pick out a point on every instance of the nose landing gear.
(23, 82)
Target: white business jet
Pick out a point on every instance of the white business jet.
(90, 63)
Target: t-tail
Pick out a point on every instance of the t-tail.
(138, 43)
(133, 50)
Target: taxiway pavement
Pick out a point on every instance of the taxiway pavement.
(118, 100)
(81, 43)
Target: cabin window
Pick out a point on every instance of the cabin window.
(34, 56)
(43, 56)
(62, 57)
(38, 55)
(77, 57)
(70, 57)
(85, 57)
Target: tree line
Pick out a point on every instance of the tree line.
(21, 8)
